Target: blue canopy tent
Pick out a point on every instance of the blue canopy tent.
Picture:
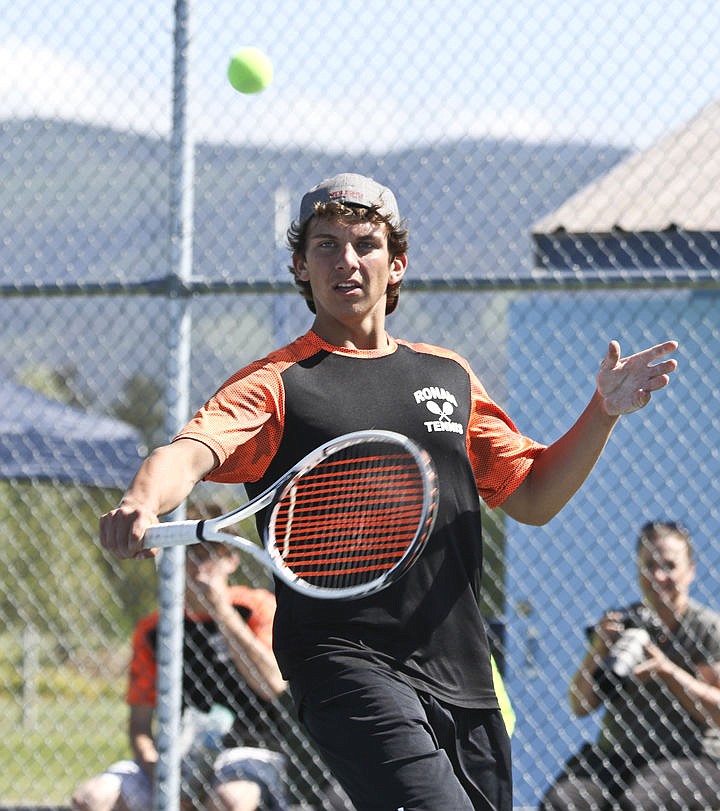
(42, 439)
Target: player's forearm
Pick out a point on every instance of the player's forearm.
(560, 470)
(168, 475)
(164, 479)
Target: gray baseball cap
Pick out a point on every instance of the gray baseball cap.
(351, 189)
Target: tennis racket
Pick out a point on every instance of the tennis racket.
(346, 521)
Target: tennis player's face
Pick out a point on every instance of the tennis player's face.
(349, 268)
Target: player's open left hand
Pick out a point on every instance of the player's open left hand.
(626, 384)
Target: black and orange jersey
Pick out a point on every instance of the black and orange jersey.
(209, 676)
(427, 626)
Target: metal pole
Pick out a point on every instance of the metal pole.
(30, 671)
(171, 568)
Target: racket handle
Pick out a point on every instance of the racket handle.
(174, 533)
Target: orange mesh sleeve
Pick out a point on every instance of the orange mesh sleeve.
(500, 455)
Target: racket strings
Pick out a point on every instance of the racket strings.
(349, 519)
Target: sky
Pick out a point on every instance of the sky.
(375, 75)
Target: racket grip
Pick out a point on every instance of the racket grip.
(174, 533)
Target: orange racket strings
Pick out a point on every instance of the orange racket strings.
(348, 518)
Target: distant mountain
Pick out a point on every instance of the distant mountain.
(86, 203)
(90, 204)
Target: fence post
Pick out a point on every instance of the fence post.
(30, 669)
(171, 565)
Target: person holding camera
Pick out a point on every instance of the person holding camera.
(655, 669)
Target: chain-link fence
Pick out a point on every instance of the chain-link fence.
(558, 166)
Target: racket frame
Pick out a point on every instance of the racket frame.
(181, 533)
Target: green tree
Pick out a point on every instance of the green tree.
(142, 404)
(55, 576)
(62, 384)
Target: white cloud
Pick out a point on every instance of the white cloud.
(361, 123)
(45, 83)
(36, 81)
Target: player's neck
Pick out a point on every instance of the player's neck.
(364, 335)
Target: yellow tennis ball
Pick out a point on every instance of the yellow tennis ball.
(250, 70)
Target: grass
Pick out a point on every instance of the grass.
(69, 726)
(65, 741)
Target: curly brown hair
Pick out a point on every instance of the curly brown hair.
(397, 236)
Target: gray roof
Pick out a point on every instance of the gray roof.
(675, 183)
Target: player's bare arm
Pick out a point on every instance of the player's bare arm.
(163, 481)
(624, 385)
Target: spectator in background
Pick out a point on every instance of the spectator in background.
(229, 675)
(229, 683)
(655, 669)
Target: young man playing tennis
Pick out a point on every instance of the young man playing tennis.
(395, 689)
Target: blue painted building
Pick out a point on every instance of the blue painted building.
(640, 252)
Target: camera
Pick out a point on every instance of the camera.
(627, 652)
(640, 626)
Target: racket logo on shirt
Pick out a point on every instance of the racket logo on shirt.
(443, 411)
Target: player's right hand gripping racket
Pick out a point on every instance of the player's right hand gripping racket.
(346, 521)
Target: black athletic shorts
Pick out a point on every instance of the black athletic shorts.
(392, 747)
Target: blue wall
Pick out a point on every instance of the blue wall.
(663, 462)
